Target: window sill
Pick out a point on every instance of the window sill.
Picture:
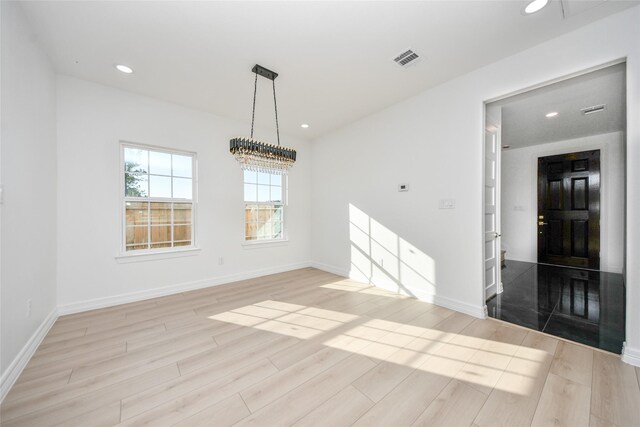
(125, 258)
(258, 244)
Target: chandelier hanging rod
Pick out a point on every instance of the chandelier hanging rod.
(271, 75)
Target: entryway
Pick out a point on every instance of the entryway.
(554, 200)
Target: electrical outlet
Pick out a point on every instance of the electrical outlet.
(220, 261)
(29, 307)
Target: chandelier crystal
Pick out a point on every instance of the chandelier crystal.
(260, 156)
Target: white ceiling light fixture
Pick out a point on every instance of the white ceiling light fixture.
(304, 126)
(535, 6)
(551, 114)
(124, 69)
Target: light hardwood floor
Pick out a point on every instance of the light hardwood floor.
(308, 348)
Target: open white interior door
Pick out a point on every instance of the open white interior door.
(492, 283)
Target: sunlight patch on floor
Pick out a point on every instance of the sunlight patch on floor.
(480, 362)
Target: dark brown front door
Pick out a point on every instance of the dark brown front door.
(569, 209)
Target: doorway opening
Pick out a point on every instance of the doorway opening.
(554, 208)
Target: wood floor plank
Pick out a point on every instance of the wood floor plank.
(106, 416)
(457, 405)
(224, 413)
(514, 399)
(144, 355)
(599, 422)
(341, 410)
(259, 342)
(484, 368)
(85, 403)
(304, 399)
(573, 362)
(218, 368)
(68, 393)
(563, 402)
(404, 404)
(24, 389)
(176, 410)
(270, 389)
(615, 395)
(93, 356)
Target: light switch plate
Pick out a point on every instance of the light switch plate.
(447, 203)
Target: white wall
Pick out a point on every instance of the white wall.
(434, 142)
(520, 203)
(92, 119)
(28, 176)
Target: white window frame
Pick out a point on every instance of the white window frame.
(285, 199)
(124, 199)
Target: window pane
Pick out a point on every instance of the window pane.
(182, 233)
(276, 180)
(250, 177)
(250, 193)
(159, 163)
(137, 213)
(263, 178)
(137, 247)
(137, 235)
(265, 213)
(135, 160)
(276, 194)
(251, 231)
(160, 213)
(182, 188)
(182, 166)
(159, 186)
(136, 185)
(160, 233)
(250, 213)
(267, 230)
(182, 213)
(263, 193)
(277, 213)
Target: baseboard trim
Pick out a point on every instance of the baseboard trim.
(630, 355)
(18, 364)
(450, 303)
(330, 269)
(463, 307)
(93, 304)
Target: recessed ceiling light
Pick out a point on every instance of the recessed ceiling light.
(124, 69)
(535, 6)
(551, 114)
(304, 126)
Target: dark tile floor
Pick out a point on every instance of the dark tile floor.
(580, 305)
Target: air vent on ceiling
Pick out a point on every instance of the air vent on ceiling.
(407, 58)
(593, 109)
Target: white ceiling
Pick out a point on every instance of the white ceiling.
(334, 58)
(523, 116)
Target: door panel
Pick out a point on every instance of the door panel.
(491, 215)
(569, 209)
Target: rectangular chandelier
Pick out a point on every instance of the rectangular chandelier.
(262, 157)
(256, 155)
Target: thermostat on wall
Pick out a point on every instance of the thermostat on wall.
(403, 187)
